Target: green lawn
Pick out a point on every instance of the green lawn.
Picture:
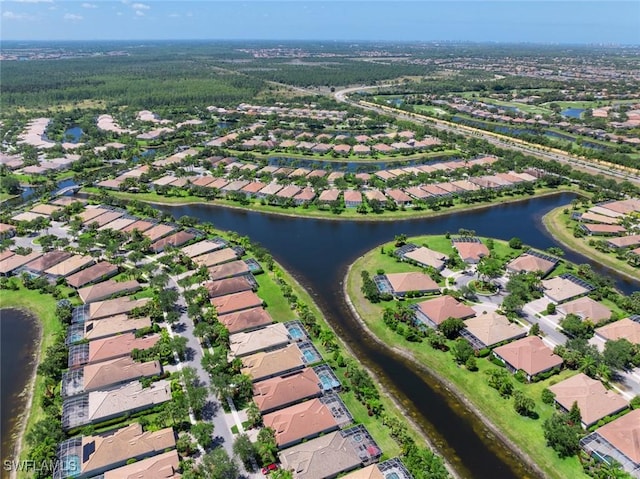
(526, 433)
(560, 226)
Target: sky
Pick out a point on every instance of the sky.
(541, 21)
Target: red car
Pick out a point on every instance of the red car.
(271, 467)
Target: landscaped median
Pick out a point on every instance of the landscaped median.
(559, 224)
(525, 433)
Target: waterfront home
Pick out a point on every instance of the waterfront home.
(400, 284)
(94, 455)
(529, 355)
(627, 328)
(593, 399)
(329, 196)
(470, 250)
(596, 229)
(624, 241)
(163, 466)
(236, 302)
(288, 191)
(489, 329)
(331, 454)
(158, 231)
(306, 195)
(435, 311)
(118, 224)
(424, 257)
(399, 197)
(92, 377)
(265, 365)
(375, 195)
(352, 198)
(270, 337)
(587, 309)
(279, 392)
(97, 272)
(139, 225)
(532, 262)
(300, 421)
(245, 320)
(99, 406)
(617, 441)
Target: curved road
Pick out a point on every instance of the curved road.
(493, 138)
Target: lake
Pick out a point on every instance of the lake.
(18, 335)
(73, 135)
(318, 253)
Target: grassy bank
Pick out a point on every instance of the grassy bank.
(560, 226)
(43, 307)
(314, 212)
(524, 433)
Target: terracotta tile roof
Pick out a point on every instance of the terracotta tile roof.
(100, 270)
(560, 289)
(599, 228)
(329, 195)
(47, 260)
(325, 456)
(492, 328)
(594, 401)
(91, 212)
(158, 231)
(369, 472)
(269, 337)
(139, 225)
(216, 257)
(70, 265)
(596, 218)
(118, 224)
(104, 290)
(426, 256)
(352, 196)
(279, 392)
(530, 263)
(236, 302)
(228, 270)
(265, 365)
(624, 434)
(114, 371)
(300, 421)
(471, 251)
(201, 247)
(227, 286)
(121, 323)
(444, 307)
(106, 218)
(43, 209)
(14, 261)
(375, 195)
(530, 355)
(118, 446)
(624, 241)
(176, 239)
(116, 346)
(162, 466)
(587, 308)
(244, 320)
(111, 307)
(624, 328)
(413, 281)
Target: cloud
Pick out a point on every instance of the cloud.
(140, 6)
(139, 13)
(72, 17)
(14, 16)
(174, 15)
(89, 5)
(33, 1)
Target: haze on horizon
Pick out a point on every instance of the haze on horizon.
(515, 21)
